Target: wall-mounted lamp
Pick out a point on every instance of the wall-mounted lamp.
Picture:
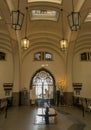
(74, 20)
(60, 84)
(25, 41)
(17, 19)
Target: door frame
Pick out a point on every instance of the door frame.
(54, 86)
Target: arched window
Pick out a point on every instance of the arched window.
(43, 56)
(2, 56)
(43, 83)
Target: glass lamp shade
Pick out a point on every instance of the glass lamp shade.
(63, 45)
(25, 43)
(17, 19)
(74, 21)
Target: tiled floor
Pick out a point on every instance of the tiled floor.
(78, 113)
(22, 118)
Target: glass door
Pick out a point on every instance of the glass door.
(43, 86)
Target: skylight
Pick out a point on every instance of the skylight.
(88, 18)
(53, 1)
(44, 15)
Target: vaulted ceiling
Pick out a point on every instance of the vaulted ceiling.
(45, 32)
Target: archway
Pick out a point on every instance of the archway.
(42, 88)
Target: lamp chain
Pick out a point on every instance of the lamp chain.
(62, 24)
(26, 22)
(18, 4)
(72, 5)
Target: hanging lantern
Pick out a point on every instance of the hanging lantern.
(63, 45)
(74, 21)
(17, 19)
(25, 43)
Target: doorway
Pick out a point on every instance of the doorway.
(43, 88)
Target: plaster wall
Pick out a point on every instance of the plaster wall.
(82, 74)
(6, 72)
(29, 67)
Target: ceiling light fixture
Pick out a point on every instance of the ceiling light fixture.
(25, 41)
(17, 19)
(63, 42)
(74, 20)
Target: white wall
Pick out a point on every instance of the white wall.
(6, 72)
(82, 74)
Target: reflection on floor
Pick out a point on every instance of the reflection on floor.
(41, 120)
(40, 117)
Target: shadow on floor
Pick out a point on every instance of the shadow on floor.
(78, 125)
